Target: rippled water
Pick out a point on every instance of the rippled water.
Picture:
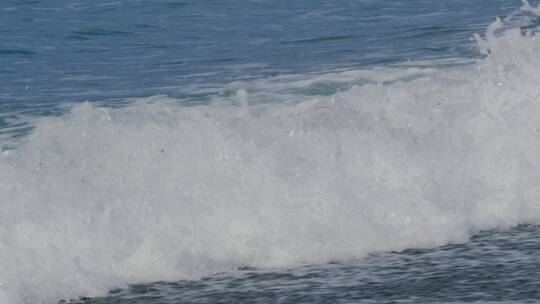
(56, 51)
(269, 151)
(494, 266)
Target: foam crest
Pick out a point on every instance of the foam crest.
(527, 7)
(420, 157)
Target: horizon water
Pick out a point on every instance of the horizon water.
(266, 151)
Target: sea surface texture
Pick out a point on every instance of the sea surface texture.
(269, 151)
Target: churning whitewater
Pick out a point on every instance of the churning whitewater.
(272, 176)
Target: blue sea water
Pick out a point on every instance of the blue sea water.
(269, 151)
(57, 51)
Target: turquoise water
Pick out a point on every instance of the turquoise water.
(269, 151)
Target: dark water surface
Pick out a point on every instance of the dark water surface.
(494, 266)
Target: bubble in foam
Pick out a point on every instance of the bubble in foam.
(104, 197)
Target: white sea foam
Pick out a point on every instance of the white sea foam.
(413, 157)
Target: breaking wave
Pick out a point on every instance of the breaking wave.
(275, 175)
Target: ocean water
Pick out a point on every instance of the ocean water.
(269, 151)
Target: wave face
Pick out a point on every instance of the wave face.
(413, 157)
